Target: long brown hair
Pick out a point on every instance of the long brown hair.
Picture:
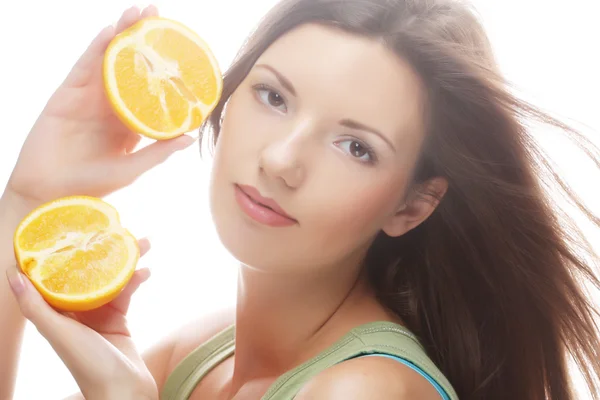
(492, 283)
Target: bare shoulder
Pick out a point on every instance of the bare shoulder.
(369, 378)
(162, 358)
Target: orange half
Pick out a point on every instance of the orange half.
(161, 78)
(76, 253)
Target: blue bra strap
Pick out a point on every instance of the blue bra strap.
(424, 374)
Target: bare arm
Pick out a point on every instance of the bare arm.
(12, 210)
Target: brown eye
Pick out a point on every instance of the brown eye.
(357, 149)
(275, 99)
(270, 97)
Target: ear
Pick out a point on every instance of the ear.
(420, 203)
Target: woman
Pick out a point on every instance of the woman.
(374, 177)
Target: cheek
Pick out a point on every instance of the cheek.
(237, 145)
(245, 130)
(353, 213)
(235, 129)
(229, 145)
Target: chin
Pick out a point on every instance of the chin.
(249, 251)
(254, 246)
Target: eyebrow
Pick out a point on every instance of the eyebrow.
(348, 123)
(282, 79)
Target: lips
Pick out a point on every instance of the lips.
(262, 209)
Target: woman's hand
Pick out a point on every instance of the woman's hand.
(78, 146)
(95, 345)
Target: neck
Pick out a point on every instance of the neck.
(284, 319)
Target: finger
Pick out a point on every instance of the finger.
(121, 303)
(135, 164)
(129, 17)
(83, 350)
(150, 11)
(111, 318)
(90, 60)
(139, 276)
(144, 245)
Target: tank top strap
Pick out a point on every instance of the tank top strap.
(183, 379)
(380, 337)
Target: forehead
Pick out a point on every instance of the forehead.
(350, 76)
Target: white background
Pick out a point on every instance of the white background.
(548, 48)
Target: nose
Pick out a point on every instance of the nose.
(282, 159)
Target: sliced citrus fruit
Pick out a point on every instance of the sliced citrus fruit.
(161, 78)
(76, 253)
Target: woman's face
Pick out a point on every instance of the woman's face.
(328, 126)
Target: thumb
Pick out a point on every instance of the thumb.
(111, 318)
(88, 356)
(152, 155)
(32, 305)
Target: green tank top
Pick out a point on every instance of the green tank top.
(375, 338)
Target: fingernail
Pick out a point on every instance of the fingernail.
(15, 280)
(146, 273)
(109, 28)
(145, 245)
